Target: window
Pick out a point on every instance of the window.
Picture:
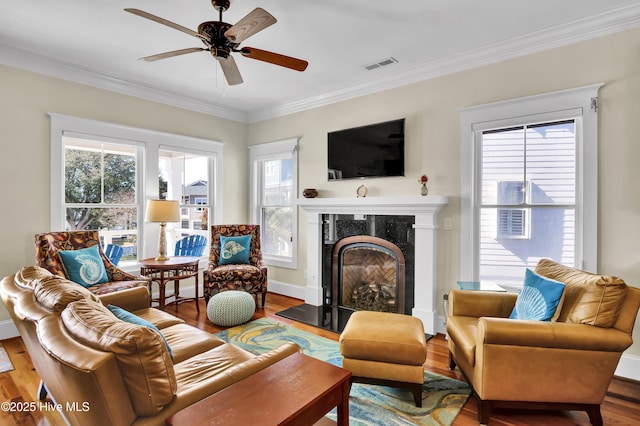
(102, 174)
(100, 190)
(273, 200)
(529, 174)
(185, 176)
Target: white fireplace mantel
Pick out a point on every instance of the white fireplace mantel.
(424, 209)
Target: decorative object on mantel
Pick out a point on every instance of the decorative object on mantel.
(362, 191)
(310, 193)
(423, 180)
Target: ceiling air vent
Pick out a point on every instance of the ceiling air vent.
(382, 63)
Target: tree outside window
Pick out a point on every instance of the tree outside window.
(100, 191)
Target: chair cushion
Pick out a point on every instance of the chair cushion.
(592, 299)
(141, 354)
(84, 266)
(113, 286)
(234, 249)
(539, 298)
(236, 272)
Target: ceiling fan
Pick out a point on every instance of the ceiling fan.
(221, 39)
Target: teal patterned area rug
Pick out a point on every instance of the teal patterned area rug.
(442, 397)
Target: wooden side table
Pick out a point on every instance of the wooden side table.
(298, 390)
(173, 269)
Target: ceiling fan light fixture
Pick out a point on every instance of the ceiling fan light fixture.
(220, 5)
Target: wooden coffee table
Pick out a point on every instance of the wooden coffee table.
(298, 390)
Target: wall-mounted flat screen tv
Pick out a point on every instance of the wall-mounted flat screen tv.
(375, 150)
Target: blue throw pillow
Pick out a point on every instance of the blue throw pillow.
(235, 250)
(127, 316)
(539, 298)
(84, 266)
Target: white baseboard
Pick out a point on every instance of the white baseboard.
(279, 287)
(286, 289)
(628, 367)
(8, 330)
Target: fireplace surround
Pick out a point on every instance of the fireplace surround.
(422, 210)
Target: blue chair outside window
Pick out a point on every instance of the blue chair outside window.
(113, 253)
(193, 245)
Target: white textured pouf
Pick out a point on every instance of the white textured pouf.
(229, 308)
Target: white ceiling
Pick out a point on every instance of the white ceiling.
(97, 43)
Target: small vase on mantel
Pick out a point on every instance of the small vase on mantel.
(423, 180)
(310, 193)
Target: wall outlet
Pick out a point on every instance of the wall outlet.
(448, 224)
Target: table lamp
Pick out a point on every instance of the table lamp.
(162, 211)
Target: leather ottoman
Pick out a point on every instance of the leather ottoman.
(387, 349)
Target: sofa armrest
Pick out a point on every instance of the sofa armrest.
(131, 299)
(476, 304)
(543, 334)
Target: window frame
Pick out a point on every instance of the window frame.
(580, 104)
(150, 142)
(287, 148)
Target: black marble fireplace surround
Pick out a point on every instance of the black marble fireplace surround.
(396, 229)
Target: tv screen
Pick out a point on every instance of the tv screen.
(376, 150)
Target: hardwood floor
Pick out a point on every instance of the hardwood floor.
(620, 407)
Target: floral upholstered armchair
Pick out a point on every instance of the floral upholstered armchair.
(50, 244)
(234, 265)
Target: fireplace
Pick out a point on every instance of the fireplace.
(329, 220)
(368, 275)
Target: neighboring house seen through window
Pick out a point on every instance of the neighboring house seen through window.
(529, 185)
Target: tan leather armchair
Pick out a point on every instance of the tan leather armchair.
(566, 365)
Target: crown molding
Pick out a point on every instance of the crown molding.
(29, 61)
(580, 30)
(607, 23)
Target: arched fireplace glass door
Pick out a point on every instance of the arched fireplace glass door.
(368, 274)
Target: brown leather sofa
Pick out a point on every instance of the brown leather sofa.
(565, 364)
(102, 370)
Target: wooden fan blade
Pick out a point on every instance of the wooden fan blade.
(274, 58)
(256, 20)
(230, 70)
(172, 54)
(163, 21)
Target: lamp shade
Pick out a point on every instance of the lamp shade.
(162, 211)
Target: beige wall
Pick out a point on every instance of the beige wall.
(433, 145)
(433, 142)
(25, 100)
